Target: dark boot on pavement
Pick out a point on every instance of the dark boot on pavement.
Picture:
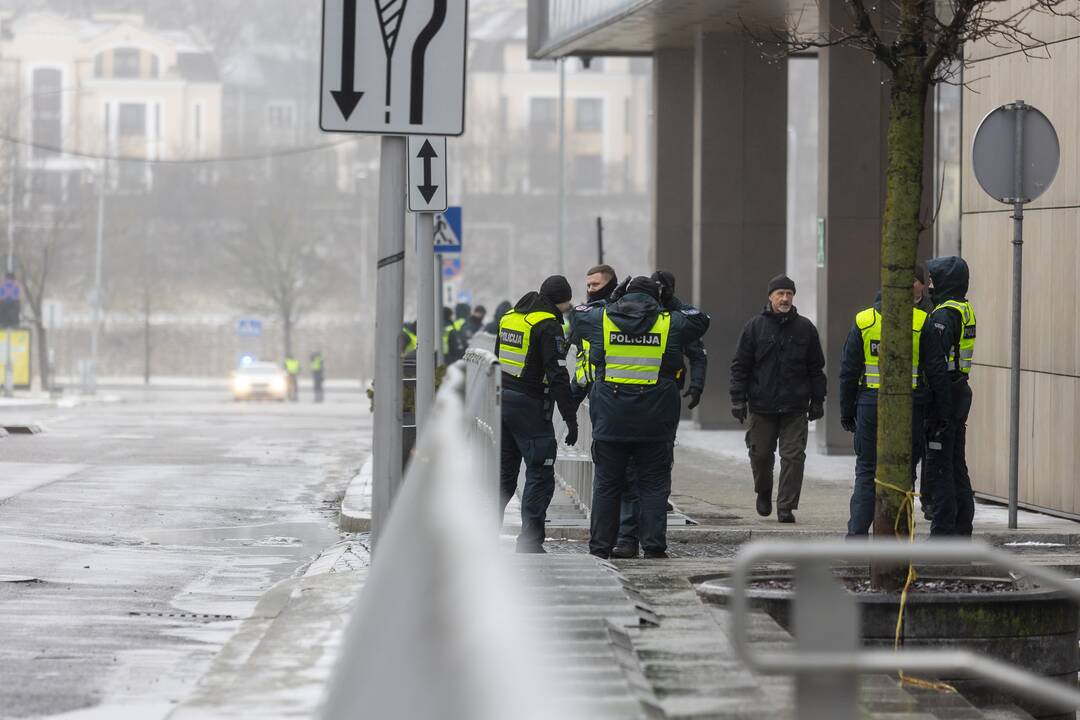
(764, 505)
(531, 549)
(624, 552)
(785, 516)
(656, 555)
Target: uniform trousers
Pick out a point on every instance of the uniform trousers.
(527, 434)
(652, 462)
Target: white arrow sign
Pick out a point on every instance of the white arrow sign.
(394, 67)
(427, 174)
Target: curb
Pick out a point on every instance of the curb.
(355, 514)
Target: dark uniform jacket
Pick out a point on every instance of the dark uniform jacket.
(778, 365)
(492, 327)
(638, 413)
(933, 375)
(950, 277)
(546, 359)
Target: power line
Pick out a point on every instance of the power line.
(183, 161)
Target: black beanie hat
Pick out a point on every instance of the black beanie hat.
(642, 284)
(556, 289)
(781, 282)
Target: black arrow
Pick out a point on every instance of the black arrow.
(427, 189)
(347, 97)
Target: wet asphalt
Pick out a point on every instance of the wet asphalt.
(136, 535)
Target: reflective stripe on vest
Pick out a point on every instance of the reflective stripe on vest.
(515, 330)
(411, 345)
(634, 359)
(869, 323)
(967, 337)
(583, 369)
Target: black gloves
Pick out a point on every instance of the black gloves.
(738, 411)
(848, 423)
(571, 434)
(816, 411)
(695, 398)
(621, 289)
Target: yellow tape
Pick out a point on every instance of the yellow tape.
(908, 503)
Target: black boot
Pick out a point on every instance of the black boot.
(764, 505)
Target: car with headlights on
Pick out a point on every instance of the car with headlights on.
(259, 380)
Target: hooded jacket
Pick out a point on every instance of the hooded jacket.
(778, 365)
(933, 377)
(950, 276)
(546, 359)
(638, 413)
(500, 310)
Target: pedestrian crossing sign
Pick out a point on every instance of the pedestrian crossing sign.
(448, 234)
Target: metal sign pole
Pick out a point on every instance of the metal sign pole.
(425, 319)
(1018, 278)
(389, 312)
(439, 323)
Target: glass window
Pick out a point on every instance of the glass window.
(131, 120)
(542, 112)
(47, 107)
(589, 115)
(126, 63)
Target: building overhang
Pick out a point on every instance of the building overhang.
(558, 28)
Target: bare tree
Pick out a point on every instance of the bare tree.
(920, 43)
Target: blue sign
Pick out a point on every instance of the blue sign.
(448, 235)
(249, 327)
(9, 291)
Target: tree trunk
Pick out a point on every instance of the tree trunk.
(43, 354)
(899, 249)
(286, 325)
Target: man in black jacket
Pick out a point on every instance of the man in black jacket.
(778, 381)
(532, 353)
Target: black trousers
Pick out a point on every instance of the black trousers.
(527, 434)
(652, 461)
(953, 500)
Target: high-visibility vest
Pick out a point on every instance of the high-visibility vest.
(515, 329)
(869, 323)
(411, 345)
(292, 366)
(316, 363)
(459, 323)
(583, 368)
(962, 362)
(446, 338)
(634, 359)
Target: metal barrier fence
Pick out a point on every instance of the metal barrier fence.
(574, 465)
(436, 635)
(483, 411)
(827, 658)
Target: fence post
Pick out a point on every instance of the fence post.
(826, 619)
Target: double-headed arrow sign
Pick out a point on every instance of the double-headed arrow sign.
(427, 174)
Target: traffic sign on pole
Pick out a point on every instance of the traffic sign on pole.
(448, 231)
(249, 327)
(394, 67)
(427, 174)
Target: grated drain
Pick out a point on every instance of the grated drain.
(205, 617)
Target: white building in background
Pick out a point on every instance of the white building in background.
(105, 85)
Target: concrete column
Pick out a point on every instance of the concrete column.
(673, 176)
(739, 197)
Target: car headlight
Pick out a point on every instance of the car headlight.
(278, 384)
(241, 385)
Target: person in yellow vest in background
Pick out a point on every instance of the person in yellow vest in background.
(951, 500)
(408, 341)
(532, 354)
(292, 372)
(317, 374)
(860, 378)
(636, 351)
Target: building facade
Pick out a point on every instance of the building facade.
(722, 146)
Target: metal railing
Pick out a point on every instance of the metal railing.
(483, 411)
(574, 465)
(436, 634)
(826, 616)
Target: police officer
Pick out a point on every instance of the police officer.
(627, 545)
(407, 340)
(636, 351)
(317, 374)
(453, 347)
(600, 283)
(860, 379)
(292, 373)
(492, 328)
(532, 353)
(952, 501)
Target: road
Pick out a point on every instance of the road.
(137, 534)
